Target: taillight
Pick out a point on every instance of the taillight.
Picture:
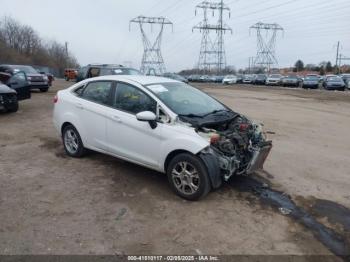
(55, 99)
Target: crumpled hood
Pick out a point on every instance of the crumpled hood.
(4, 89)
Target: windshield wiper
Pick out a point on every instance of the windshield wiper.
(191, 115)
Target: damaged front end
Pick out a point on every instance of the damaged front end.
(237, 147)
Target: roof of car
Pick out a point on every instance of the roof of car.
(141, 79)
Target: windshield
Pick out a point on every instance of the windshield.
(311, 78)
(293, 77)
(275, 76)
(25, 69)
(184, 99)
(334, 79)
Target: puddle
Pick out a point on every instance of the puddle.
(337, 243)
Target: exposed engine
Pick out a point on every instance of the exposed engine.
(236, 142)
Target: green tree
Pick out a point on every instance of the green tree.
(299, 66)
(329, 67)
(322, 71)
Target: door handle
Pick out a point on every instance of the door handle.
(116, 119)
(80, 106)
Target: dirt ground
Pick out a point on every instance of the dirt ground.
(53, 204)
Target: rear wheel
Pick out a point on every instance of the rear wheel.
(72, 142)
(188, 177)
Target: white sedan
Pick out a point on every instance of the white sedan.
(162, 124)
(229, 80)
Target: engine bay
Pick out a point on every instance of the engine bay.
(236, 142)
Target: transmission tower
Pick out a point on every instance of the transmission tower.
(266, 44)
(212, 53)
(152, 60)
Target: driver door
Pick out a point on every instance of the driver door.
(127, 137)
(19, 83)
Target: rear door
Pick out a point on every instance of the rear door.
(92, 109)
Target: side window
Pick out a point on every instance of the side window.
(19, 77)
(98, 92)
(130, 99)
(94, 72)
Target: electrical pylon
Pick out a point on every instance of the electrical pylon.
(152, 59)
(266, 44)
(212, 53)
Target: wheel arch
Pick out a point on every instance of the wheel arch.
(173, 154)
(64, 125)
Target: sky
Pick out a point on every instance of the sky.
(99, 32)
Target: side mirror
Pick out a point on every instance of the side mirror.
(147, 116)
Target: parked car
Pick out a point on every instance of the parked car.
(346, 79)
(204, 78)
(95, 70)
(260, 79)
(274, 79)
(248, 79)
(162, 124)
(193, 78)
(175, 77)
(334, 83)
(239, 78)
(49, 76)
(291, 80)
(229, 80)
(13, 88)
(70, 74)
(310, 81)
(33, 78)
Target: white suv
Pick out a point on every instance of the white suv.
(162, 124)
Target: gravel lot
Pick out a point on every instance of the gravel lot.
(52, 204)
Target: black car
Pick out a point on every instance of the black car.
(291, 80)
(334, 83)
(12, 89)
(310, 82)
(95, 70)
(35, 80)
(260, 79)
(175, 77)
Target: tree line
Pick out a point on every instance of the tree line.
(323, 67)
(21, 44)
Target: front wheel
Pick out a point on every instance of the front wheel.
(188, 177)
(73, 145)
(13, 108)
(45, 89)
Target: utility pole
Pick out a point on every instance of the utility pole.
(152, 60)
(266, 44)
(337, 57)
(212, 53)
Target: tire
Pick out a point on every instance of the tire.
(43, 90)
(66, 78)
(197, 173)
(13, 109)
(73, 145)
